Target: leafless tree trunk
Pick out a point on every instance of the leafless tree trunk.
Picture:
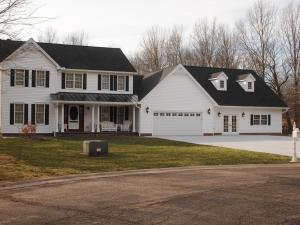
(204, 42)
(14, 16)
(255, 35)
(77, 38)
(50, 36)
(291, 32)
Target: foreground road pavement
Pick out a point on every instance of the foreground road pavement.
(197, 195)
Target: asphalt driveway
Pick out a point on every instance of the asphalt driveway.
(281, 145)
(215, 195)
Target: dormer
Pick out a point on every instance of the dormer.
(219, 80)
(247, 82)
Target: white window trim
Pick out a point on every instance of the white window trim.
(36, 113)
(15, 81)
(36, 78)
(22, 113)
(102, 88)
(123, 84)
(73, 80)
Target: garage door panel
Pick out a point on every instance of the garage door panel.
(165, 123)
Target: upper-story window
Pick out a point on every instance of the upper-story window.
(249, 85)
(219, 80)
(20, 78)
(105, 82)
(40, 78)
(74, 80)
(121, 83)
(222, 84)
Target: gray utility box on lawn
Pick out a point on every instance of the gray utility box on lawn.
(95, 148)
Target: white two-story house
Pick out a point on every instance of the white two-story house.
(65, 89)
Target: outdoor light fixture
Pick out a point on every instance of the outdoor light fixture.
(219, 114)
(243, 114)
(147, 110)
(208, 111)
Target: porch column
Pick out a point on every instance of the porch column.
(93, 118)
(133, 118)
(56, 118)
(98, 119)
(62, 118)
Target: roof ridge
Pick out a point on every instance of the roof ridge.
(219, 68)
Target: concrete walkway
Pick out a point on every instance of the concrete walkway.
(281, 145)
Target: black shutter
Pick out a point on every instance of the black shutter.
(111, 81)
(12, 114)
(127, 113)
(33, 78)
(63, 80)
(115, 83)
(25, 113)
(99, 81)
(32, 113)
(12, 77)
(47, 79)
(115, 114)
(251, 120)
(269, 120)
(84, 81)
(127, 83)
(111, 114)
(46, 114)
(26, 78)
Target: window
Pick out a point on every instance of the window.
(19, 113)
(74, 80)
(105, 116)
(174, 114)
(250, 85)
(222, 84)
(186, 114)
(105, 82)
(180, 114)
(264, 120)
(198, 114)
(256, 119)
(192, 114)
(155, 114)
(20, 78)
(40, 78)
(162, 114)
(40, 113)
(121, 83)
(168, 114)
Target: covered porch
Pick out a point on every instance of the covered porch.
(92, 113)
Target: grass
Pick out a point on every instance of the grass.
(22, 158)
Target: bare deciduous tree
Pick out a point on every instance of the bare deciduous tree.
(255, 35)
(291, 33)
(14, 16)
(77, 38)
(49, 36)
(175, 47)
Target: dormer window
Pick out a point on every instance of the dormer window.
(246, 81)
(222, 84)
(219, 80)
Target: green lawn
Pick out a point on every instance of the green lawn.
(22, 158)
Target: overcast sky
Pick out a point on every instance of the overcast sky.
(122, 23)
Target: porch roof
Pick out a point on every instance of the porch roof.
(94, 97)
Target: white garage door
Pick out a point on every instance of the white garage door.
(179, 123)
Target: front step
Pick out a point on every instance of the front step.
(90, 134)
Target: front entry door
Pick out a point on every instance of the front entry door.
(73, 117)
(230, 124)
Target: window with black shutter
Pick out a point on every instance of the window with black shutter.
(26, 78)
(47, 79)
(126, 113)
(33, 114)
(26, 114)
(111, 82)
(84, 81)
(251, 119)
(115, 83)
(269, 120)
(127, 83)
(33, 78)
(46, 114)
(12, 114)
(12, 77)
(63, 81)
(99, 81)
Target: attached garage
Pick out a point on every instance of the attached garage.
(177, 123)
